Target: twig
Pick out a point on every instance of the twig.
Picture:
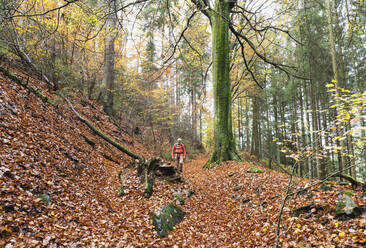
(283, 205)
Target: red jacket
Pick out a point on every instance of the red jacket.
(179, 149)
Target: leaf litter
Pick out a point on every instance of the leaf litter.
(59, 191)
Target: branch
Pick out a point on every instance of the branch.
(43, 13)
(246, 63)
(180, 37)
(204, 7)
(190, 45)
(101, 134)
(264, 58)
(283, 205)
(32, 89)
(325, 179)
(133, 3)
(265, 28)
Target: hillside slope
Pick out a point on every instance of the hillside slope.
(43, 152)
(45, 158)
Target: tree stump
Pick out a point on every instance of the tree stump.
(156, 168)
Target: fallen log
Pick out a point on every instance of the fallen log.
(355, 183)
(147, 169)
(26, 85)
(101, 134)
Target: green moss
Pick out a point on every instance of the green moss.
(254, 170)
(179, 197)
(263, 161)
(122, 191)
(32, 89)
(340, 207)
(149, 185)
(170, 215)
(348, 192)
(45, 198)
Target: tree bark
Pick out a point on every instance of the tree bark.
(224, 144)
(109, 59)
(255, 129)
(336, 76)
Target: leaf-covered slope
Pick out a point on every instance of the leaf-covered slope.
(234, 208)
(44, 155)
(44, 158)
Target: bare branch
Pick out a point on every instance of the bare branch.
(180, 37)
(45, 12)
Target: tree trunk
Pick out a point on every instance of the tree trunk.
(224, 144)
(239, 123)
(109, 60)
(275, 110)
(247, 131)
(194, 112)
(304, 166)
(255, 130)
(336, 75)
(269, 140)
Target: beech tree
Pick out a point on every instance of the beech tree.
(222, 16)
(109, 57)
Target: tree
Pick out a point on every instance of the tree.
(224, 144)
(109, 57)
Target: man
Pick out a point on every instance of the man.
(178, 154)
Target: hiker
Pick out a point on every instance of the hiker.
(178, 154)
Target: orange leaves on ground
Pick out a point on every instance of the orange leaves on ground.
(57, 190)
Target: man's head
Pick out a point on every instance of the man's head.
(179, 140)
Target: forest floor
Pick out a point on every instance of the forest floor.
(57, 190)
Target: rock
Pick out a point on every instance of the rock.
(258, 190)
(170, 215)
(254, 170)
(345, 205)
(8, 208)
(263, 203)
(188, 192)
(326, 186)
(308, 211)
(296, 212)
(236, 198)
(45, 198)
(238, 187)
(243, 202)
(303, 191)
(173, 179)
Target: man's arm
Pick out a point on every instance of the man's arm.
(173, 151)
(184, 151)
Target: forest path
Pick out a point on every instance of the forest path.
(217, 218)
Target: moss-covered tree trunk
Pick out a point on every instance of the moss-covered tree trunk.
(224, 145)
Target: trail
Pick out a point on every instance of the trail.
(216, 219)
(43, 152)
